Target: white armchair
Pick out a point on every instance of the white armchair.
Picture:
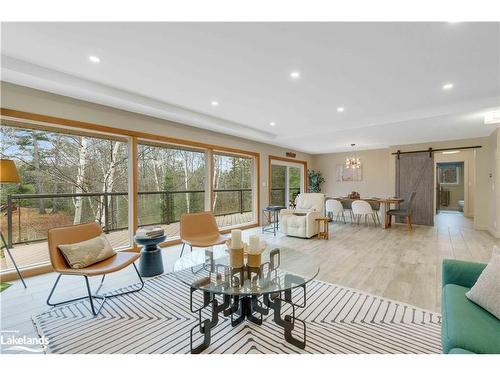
(301, 221)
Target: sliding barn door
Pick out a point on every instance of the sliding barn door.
(415, 172)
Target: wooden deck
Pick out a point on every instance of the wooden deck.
(37, 253)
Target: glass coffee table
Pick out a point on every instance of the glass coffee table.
(247, 293)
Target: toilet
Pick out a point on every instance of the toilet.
(461, 205)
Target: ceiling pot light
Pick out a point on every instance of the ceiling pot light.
(451, 152)
(447, 86)
(94, 59)
(295, 75)
(492, 117)
(340, 109)
(214, 103)
(272, 123)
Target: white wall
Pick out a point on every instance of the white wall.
(494, 177)
(376, 173)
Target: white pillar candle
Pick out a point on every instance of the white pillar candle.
(254, 243)
(236, 239)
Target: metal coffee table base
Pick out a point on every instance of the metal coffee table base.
(251, 308)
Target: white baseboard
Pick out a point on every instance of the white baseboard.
(489, 229)
(494, 232)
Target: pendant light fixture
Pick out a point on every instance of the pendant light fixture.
(352, 162)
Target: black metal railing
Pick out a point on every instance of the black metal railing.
(111, 209)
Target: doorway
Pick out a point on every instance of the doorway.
(286, 181)
(450, 190)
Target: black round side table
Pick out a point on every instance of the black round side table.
(151, 261)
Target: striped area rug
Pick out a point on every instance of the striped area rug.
(158, 320)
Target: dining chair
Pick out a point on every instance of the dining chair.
(347, 205)
(334, 207)
(78, 233)
(405, 210)
(362, 208)
(200, 230)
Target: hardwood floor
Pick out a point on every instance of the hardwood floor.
(393, 263)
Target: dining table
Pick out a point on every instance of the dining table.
(385, 205)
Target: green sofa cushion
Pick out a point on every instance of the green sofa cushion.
(466, 325)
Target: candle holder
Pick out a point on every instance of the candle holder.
(236, 256)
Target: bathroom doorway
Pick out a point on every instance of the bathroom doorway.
(450, 187)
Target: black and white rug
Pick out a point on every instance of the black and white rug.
(157, 320)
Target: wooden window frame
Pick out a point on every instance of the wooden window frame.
(133, 138)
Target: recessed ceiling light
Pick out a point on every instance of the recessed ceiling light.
(94, 59)
(340, 109)
(272, 123)
(451, 152)
(447, 86)
(214, 103)
(295, 75)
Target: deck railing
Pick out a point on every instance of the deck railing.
(111, 209)
(278, 196)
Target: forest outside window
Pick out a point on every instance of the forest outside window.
(233, 189)
(171, 182)
(67, 178)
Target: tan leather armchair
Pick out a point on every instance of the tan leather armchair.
(78, 233)
(200, 230)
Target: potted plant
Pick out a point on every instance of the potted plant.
(315, 181)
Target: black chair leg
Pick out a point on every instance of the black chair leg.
(13, 260)
(91, 296)
(182, 250)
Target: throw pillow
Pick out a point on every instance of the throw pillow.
(486, 290)
(86, 253)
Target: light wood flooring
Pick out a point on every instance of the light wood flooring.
(392, 263)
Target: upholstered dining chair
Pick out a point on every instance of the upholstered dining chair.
(200, 230)
(405, 210)
(363, 208)
(78, 233)
(334, 207)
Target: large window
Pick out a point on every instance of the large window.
(67, 178)
(233, 181)
(78, 172)
(171, 182)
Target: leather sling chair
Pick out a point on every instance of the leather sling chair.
(200, 230)
(78, 233)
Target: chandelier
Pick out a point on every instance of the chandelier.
(352, 162)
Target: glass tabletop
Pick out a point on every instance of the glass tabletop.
(281, 268)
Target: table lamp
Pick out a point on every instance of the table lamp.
(8, 174)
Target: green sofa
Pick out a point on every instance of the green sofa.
(466, 328)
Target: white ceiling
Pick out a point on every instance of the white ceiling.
(387, 76)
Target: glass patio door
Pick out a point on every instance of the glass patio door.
(286, 182)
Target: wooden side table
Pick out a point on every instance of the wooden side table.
(322, 223)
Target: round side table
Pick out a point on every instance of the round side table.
(151, 262)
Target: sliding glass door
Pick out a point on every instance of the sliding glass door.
(286, 182)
